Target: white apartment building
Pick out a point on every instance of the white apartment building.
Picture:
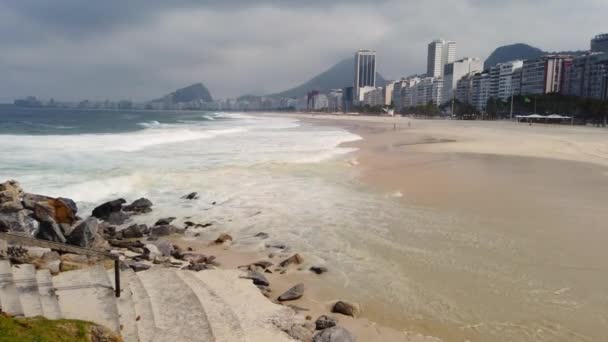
(505, 84)
(440, 53)
(374, 97)
(455, 71)
(334, 100)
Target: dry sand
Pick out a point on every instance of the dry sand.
(524, 257)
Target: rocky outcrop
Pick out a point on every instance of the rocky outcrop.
(84, 233)
(103, 211)
(139, 206)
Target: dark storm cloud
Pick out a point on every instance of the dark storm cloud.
(141, 49)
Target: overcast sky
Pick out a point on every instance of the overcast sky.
(141, 49)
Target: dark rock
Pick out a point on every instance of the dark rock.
(134, 231)
(137, 266)
(18, 222)
(137, 250)
(190, 196)
(223, 238)
(261, 235)
(83, 233)
(257, 277)
(152, 238)
(276, 245)
(164, 221)
(103, 211)
(205, 225)
(294, 259)
(325, 322)
(333, 334)
(189, 224)
(345, 308)
(126, 243)
(50, 231)
(163, 230)
(139, 206)
(117, 218)
(318, 269)
(195, 258)
(263, 264)
(198, 267)
(293, 293)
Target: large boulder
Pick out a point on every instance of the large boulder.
(134, 231)
(334, 334)
(117, 218)
(139, 206)
(103, 211)
(84, 233)
(164, 221)
(58, 210)
(10, 191)
(293, 293)
(50, 231)
(29, 200)
(18, 222)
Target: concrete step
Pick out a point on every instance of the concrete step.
(24, 277)
(87, 295)
(126, 307)
(225, 325)
(261, 319)
(48, 298)
(9, 297)
(178, 313)
(144, 317)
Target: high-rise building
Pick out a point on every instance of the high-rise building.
(455, 71)
(543, 75)
(480, 90)
(587, 76)
(440, 53)
(506, 86)
(599, 43)
(365, 71)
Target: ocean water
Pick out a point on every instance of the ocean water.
(440, 255)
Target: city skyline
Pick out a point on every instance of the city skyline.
(145, 49)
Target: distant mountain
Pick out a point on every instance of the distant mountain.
(512, 52)
(338, 76)
(195, 92)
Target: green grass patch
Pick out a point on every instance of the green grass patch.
(38, 329)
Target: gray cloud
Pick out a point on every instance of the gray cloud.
(141, 49)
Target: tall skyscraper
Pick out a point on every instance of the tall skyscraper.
(365, 71)
(599, 43)
(440, 53)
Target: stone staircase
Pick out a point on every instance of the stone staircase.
(160, 304)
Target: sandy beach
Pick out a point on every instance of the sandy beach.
(517, 251)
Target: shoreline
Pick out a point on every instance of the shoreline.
(457, 169)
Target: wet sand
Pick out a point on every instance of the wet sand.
(523, 254)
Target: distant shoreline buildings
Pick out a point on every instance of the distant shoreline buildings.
(447, 80)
